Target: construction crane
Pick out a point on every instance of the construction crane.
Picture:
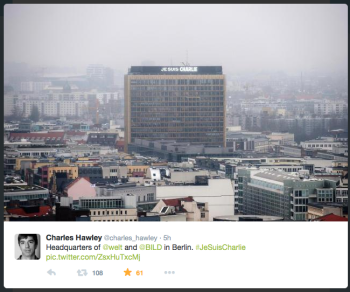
(95, 108)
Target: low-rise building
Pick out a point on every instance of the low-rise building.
(80, 187)
(111, 208)
(24, 195)
(194, 211)
(321, 144)
(218, 193)
(316, 210)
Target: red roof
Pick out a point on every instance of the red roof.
(177, 202)
(39, 136)
(76, 180)
(331, 217)
(120, 143)
(21, 212)
(75, 133)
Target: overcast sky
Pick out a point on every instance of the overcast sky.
(291, 38)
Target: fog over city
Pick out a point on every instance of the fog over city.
(241, 38)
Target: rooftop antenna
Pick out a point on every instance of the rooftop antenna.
(186, 64)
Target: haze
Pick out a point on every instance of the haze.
(291, 38)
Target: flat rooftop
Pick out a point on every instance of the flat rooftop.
(276, 176)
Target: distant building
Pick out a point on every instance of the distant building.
(32, 86)
(103, 139)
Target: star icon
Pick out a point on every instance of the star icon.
(127, 272)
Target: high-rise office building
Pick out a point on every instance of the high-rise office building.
(186, 104)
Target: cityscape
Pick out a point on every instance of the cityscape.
(178, 137)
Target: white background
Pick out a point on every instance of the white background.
(277, 255)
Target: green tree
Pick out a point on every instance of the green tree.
(34, 114)
(17, 113)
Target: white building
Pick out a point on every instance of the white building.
(330, 107)
(56, 104)
(324, 144)
(114, 171)
(219, 195)
(9, 104)
(32, 86)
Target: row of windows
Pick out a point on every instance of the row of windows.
(301, 193)
(154, 109)
(26, 197)
(193, 106)
(319, 145)
(126, 220)
(324, 199)
(116, 212)
(342, 193)
(300, 209)
(150, 197)
(101, 203)
(165, 95)
(325, 191)
(300, 201)
(176, 88)
(199, 124)
(137, 170)
(174, 97)
(190, 136)
(173, 113)
(324, 195)
(342, 200)
(175, 119)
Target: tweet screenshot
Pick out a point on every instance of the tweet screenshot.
(175, 146)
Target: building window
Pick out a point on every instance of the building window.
(126, 212)
(202, 215)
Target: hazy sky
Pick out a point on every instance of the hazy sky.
(291, 38)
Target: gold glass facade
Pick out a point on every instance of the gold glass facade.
(185, 108)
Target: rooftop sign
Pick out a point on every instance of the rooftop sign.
(175, 70)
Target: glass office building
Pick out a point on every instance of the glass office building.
(185, 104)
